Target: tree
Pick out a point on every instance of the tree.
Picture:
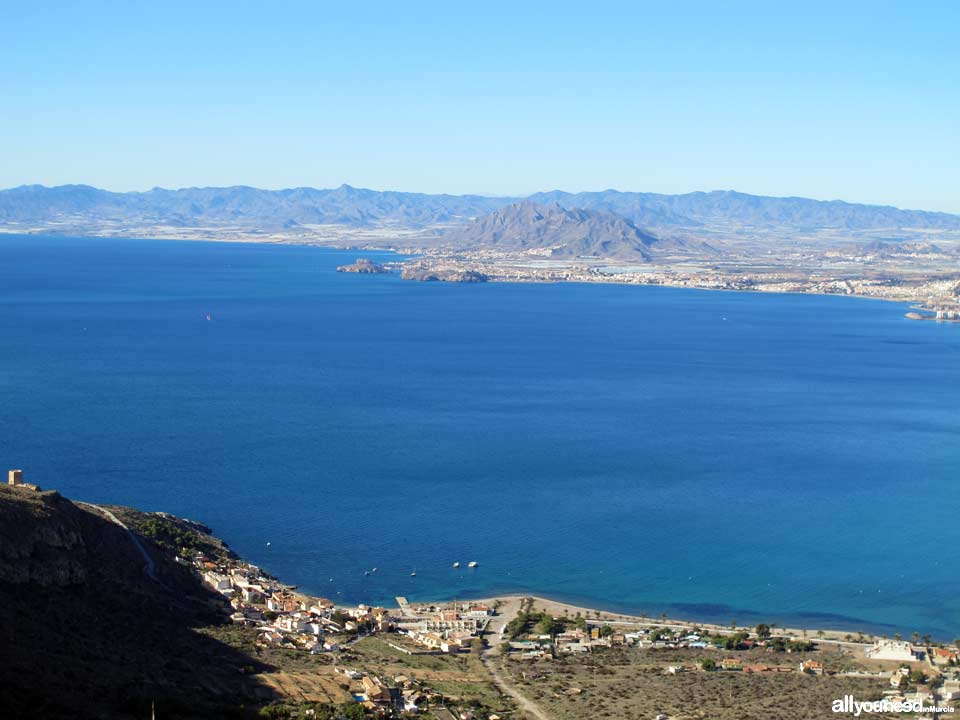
(918, 677)
(915, 637)
(606, 631)
(763, 631)
(352, 711)
(549, 626)
(708, 665)
(274, 711)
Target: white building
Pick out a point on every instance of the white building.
(220, 583)
(898, 650)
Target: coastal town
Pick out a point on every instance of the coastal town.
(926, 277)
(510, 657)
(524, 640)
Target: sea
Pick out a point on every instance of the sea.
(717, 456)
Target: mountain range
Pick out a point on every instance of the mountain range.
(356, 207)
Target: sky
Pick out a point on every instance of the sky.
(840, 100)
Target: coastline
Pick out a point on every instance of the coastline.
(684, 617)
(612, 617)
(494, 271)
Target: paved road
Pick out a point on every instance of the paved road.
(150, 568)
(508, 611)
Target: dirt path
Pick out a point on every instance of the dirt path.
(507, 611)
(150, 567)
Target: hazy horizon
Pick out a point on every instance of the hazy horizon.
(818, 101)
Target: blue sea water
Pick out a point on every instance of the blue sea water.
(719, 456)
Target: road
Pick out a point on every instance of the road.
(150, 568)
(508, 611)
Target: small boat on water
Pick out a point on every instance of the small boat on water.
(472, 564)
(414, 573)
(366, 572)
(374, 570)
(456, 565)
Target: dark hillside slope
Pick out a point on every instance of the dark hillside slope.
(86, 633)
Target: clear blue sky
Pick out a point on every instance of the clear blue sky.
(859, 101)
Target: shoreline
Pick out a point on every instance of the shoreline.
(914, 306)
(561, 608)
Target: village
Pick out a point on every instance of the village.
(513, 635)
(284, 618)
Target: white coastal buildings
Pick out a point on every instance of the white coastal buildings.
(898, 650)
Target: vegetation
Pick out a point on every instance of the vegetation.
(166, 534)
(313, 711)
(530, 620)
(631, 684)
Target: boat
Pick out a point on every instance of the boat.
(374, 570)
(366, 572)
(472, 564)
(456, 565)
(414, 573)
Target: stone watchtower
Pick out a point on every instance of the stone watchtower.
(15, 477)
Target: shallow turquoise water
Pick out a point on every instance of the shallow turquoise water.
(714, 455)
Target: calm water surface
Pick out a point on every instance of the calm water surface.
(713, 455)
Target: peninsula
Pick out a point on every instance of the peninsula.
(720, 240)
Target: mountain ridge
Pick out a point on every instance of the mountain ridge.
(361, 207)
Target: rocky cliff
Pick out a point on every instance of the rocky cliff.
(87, 632)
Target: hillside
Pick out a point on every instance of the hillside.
(557, 231)
(87, 632)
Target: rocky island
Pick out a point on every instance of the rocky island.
(428, 273)
(364, 266)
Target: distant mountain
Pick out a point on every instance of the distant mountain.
(242, 205)
(725, 206)
(254, 208)
(561, 232)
